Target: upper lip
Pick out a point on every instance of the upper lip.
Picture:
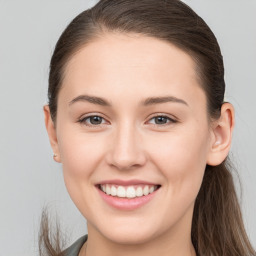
(126, 182)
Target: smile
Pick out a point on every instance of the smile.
(127, 195)
(128, 191)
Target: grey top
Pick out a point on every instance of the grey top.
(75, 248)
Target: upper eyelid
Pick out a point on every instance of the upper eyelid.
(171, 121)
(174, 119)
(150, 117)
(84, 116)
(87, 117)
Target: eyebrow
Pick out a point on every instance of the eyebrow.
(149, 101)
(165, 99)
(91, 99)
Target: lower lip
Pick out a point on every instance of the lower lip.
(125, 203)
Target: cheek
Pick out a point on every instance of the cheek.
(181, 157)
(80, 154)
(181, 160)
(78, 150)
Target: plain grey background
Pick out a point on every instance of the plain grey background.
(29, 178)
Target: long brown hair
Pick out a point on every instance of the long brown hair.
(217, 226)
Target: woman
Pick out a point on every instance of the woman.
(137, 118)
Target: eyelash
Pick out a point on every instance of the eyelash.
(170, 121)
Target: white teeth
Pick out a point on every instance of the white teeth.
(128, 192)
(121, 192)
(108, 190)
(151, 190)
(146, 190)
(113, 191)
(139, 191)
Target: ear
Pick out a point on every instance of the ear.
(222, 130)
(50, 127)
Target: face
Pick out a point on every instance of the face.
(132, 121)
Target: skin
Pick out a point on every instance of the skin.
(130, 144)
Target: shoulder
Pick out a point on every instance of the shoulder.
(74, 249)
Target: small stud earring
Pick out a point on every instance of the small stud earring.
(54, 155)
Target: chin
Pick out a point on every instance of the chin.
(130, 236)
(132, 231)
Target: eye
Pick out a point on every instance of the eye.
(93, 120)
(162, 120)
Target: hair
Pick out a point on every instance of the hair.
(217, 225)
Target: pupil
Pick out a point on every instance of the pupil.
(96, 119)
(161, 120)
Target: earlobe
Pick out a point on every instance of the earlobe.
(51, 130)
(222, 131)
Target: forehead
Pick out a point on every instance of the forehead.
(122, 63)
(131, 50)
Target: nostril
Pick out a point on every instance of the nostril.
(125, 160)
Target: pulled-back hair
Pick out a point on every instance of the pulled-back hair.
(217, 225)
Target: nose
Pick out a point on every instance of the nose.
(126, 150)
